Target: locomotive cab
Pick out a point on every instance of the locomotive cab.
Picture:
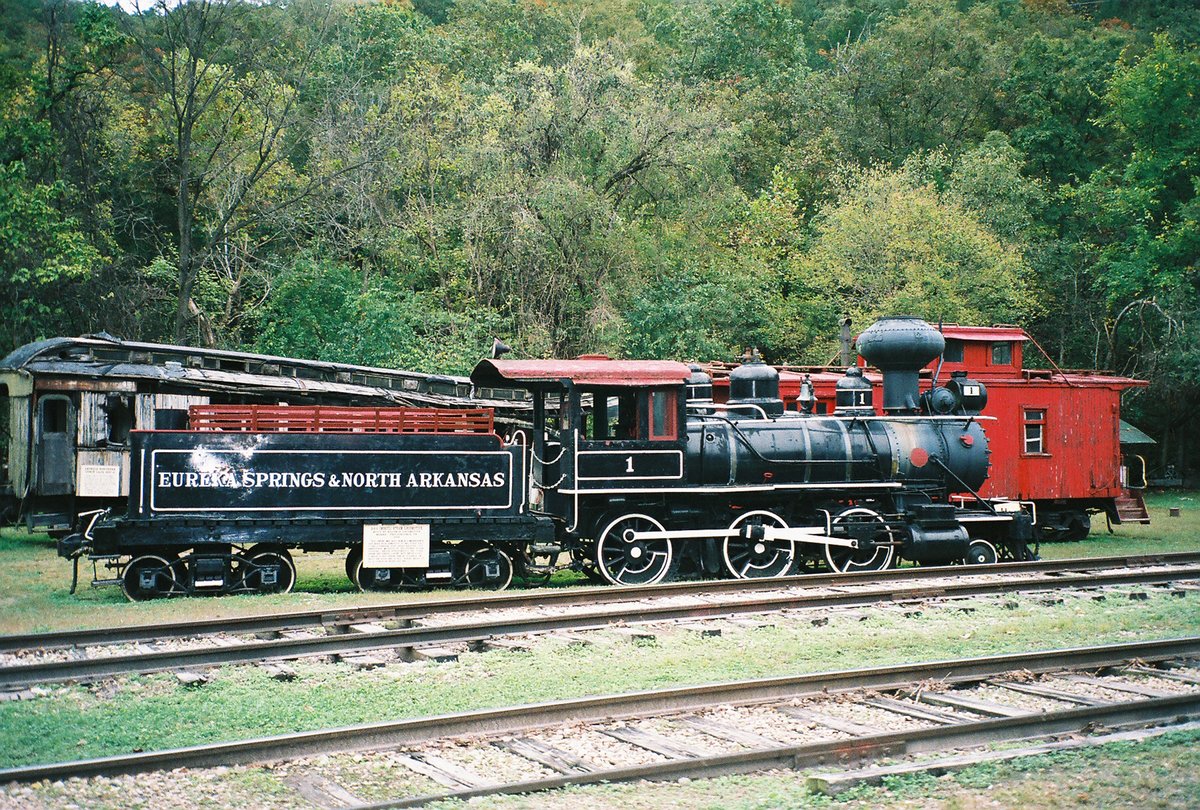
(600, 427)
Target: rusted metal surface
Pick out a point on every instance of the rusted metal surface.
(332, 419)
(63, 362)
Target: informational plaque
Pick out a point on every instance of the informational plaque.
(395, 545)
(99, 481)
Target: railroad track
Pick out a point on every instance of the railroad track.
(400, 611)
(843, 717)
(481, 620)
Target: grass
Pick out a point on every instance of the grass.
(1163, 534)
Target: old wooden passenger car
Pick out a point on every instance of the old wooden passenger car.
(69, 405)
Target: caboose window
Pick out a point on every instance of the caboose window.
(663, 424)
(1035, 431)
(954, 351)
(1002, 353)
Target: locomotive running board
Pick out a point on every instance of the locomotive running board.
(800, 534)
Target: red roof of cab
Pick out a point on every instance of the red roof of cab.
(631, 373)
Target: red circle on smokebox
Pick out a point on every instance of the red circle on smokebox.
(919, 457)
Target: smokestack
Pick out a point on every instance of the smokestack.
(900, 347)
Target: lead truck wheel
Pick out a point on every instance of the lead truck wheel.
(747, 558)
(487, 568)
(624, 560)
(981, 552)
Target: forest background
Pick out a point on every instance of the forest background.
(396, 183)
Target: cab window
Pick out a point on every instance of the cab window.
(612, 415)
(664, 422)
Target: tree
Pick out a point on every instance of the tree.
(321, 309)
(41, 252)
(921, 80)
(1139, 221)
(890, 245)
(569, 161)
(225, 114)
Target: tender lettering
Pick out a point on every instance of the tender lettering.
(251, 479)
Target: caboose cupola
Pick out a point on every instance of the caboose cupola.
(900, 347)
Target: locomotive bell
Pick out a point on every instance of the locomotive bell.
(900, 347)
(756, 383)
(854, 396)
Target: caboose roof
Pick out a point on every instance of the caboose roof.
(983, 333)
(588, 371)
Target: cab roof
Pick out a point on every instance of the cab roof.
(586, 372)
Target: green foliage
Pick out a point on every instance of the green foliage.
(892, 246)
(327, 311)
(42, 252)
(694, 309)
(924, 79)
(653, 177)
(1150, 205)
(1052, 96)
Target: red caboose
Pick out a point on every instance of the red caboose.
(1056, 435)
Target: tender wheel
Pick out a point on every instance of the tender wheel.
(149, 577)
(981, 552)
(869, 556)
(382, 579)
(754, 559)
(270, 571)
(487, 568)
(622, 560)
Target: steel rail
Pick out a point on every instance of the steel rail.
(543, 597)
(1153, 711)
(524, 718)
(481, 629)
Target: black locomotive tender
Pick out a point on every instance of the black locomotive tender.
(630, 472)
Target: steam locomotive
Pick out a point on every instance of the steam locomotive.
(629, 472)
